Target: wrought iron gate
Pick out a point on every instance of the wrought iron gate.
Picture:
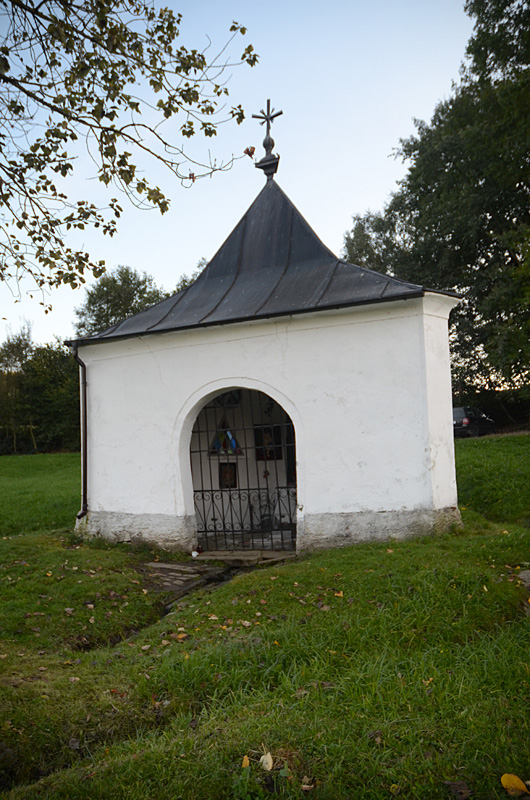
(243, 462)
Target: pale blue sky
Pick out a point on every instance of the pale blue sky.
(349, 77)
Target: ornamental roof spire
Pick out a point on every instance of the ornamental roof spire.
(269, 163)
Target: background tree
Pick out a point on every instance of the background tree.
(122, 293)
(39, 396)
(15, 353)
(460, 218)
(115, 296)
(500, 44)
(186, 280)
(371, 243)
(51, 397)
(108, 72)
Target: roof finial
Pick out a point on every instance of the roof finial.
(269, 163)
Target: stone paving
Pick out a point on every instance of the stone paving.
(172, 580)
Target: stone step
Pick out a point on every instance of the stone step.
(244, 557)
(179, 566)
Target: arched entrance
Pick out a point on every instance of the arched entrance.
(243, 463)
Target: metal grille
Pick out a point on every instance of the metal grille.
(243, 461)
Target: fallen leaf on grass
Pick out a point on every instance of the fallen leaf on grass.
(339, 594)
(514, 785)
(73, 680)
(145, 647)
(165, 642)
(245, 763)
(266, 761)
(73, 744)
(459, 789)
(307, 785)
(300, 692)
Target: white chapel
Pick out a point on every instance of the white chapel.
(286, 400)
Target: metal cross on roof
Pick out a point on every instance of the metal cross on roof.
(268, 117)
(269, 163)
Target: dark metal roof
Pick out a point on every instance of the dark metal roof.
(272, 264)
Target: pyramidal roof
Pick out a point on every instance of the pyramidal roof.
(272, 264)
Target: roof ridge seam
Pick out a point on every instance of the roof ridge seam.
(178, 298)
(287, 263)
(211, 310)
(385, 287)
(109, 330)
(304, 221)
(390, 278)
(326, 287)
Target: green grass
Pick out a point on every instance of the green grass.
(494, 477)
(400, 664)
(39, 492)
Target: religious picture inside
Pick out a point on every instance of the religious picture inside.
(243, 463)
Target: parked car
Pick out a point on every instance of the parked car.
(471, 422)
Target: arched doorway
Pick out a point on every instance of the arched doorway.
(243, 463)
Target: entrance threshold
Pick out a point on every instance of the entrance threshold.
(249, 557)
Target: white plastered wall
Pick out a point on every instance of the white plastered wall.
(367, 389)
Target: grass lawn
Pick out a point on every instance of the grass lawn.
(39, 492)
(373, 671)
(494, 477)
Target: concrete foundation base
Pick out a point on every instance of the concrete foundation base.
(323, 531)
(161, 530)
(315, 531)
